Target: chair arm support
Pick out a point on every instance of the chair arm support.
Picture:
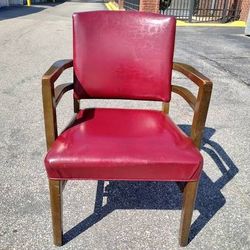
(61, 89)
(200, 104)
(52, 96)
(186, 94)
(56, 69)
(191, 73)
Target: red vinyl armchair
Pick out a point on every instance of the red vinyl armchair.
(123, 55)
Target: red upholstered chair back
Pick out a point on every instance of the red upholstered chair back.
(126, 55)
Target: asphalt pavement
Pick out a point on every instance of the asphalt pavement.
(130, 215)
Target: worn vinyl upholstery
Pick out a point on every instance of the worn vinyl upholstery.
(123, 144)
(123, 55)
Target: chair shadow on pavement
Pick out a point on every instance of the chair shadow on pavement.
(164, 195)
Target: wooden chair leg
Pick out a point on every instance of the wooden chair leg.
(189, 197)
(55, 188)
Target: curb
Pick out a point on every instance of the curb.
(236, 24)
(111, 6)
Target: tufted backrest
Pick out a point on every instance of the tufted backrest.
(119, 54)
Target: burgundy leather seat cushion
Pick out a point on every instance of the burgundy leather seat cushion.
(122, 144)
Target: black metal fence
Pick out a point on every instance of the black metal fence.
(202, 10)
(131, 4)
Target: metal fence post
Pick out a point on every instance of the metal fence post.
(247, 30)
(191, 10)
(225, 9)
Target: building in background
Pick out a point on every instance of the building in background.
(4, 3)
(10, 2)
(245, 8)
(193, 10)
(190, 10)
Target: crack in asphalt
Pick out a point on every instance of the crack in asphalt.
(225, 69)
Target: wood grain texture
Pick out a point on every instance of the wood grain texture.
(189, 197)
(186, 94)
(55, 188)
(165, 107)
(52, 96)
(199, 104)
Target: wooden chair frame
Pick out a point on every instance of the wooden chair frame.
(200, 104)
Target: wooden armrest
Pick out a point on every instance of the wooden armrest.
(199, 104)
(52, 96)
(191, 73)
(56, 69)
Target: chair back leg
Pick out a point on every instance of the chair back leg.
(189, 197)
(55, 188)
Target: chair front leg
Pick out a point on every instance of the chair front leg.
(189, 197)
(55, 188)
